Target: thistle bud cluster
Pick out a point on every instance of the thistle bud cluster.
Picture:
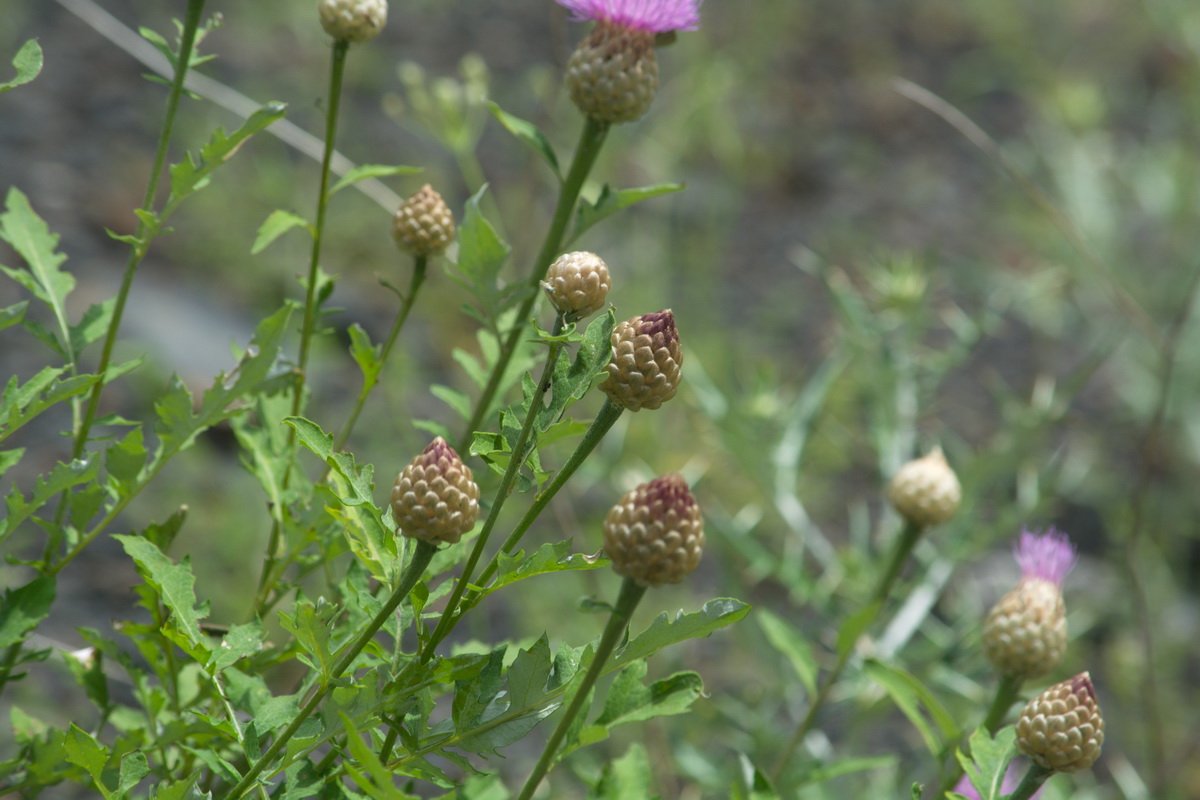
(655, 534)
(435, 499)
(925, 491)
(577, 284)
(1061, 728)
(646, 361)
(423, 224)
(353, 20)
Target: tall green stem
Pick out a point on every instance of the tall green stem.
(900, 553)
(414, 286)
(631, 594)
(187, 42)
(516, 461)
(421, 556)
(590, 141)
(608, 415)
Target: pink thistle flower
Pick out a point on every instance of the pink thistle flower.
(1049, 556)
(651, 16)
(1011, 781)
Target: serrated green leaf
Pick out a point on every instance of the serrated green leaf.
(21, 403)
(364, 171)
(911, 696)
(529, 674)
(715, 614)
(788, 641)
(278, 222)
(179, 790)
(62, 477)
(365, 768)
(549, 557)
(629, 700)
(22, 228)
(124, 461)
(626, 777)
(12, 315)
(312, 627)
(174, 585)
(92, 325)
(572, 379)
(160, 44)
(529, 135)
(481, 255)
(28, 62)
(21, 609)
(610, 202)
(474, 696)
(133, 769)
(87, 667)
(989, 760)
(241, 641)
(10, 458)
(82, 749)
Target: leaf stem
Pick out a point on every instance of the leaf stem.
(421, 556)
(631, 594)
(1034, 778)
(900, 553)
(591, 139)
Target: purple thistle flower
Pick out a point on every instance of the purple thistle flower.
(652, 16)
(1011, 781)
(1048, 556)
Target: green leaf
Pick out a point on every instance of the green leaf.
(529, 135)
(92, 325)
(754, 784)
(663, 632)
(133, 769)
(9, 459)
(12, 315)
(854, 627)
(627, 777)
(989, 759)
(124, 461)
(22, 228)
(312, 626)
(610, 202)
(549, 557)
(474, 696)
(453, 398)
(911, 696)
(788, 641)
(173, 583)
(21, 609)
(28, 62)
(85, 751)
(365, 768)
(21, 403)
(366, 355)
(481, 255)
(46, 487)
(241, 641)
(572, 381)
(629, 700)
(364, 171)
(278, 223)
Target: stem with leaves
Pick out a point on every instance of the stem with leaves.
(900, 553)
(421, 556)
(1008, 691)
(590, 141)
(631, 594)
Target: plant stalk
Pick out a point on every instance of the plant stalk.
(1033, 780)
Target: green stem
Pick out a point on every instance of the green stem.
(900, 553)
(1033, 780)
(627, 601)
(414, 286)
(515, 462)
(590, 141)
(608, 415)
(187, 42)
(1008, 690)
(421, 556)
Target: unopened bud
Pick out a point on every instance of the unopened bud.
(435, 499)
(646, 361)
(1062, 728)
(423, 224)
(925, 491)
(353, 20)
(655, 533)
(613, 74)
(577, 284)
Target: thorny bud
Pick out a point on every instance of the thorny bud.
(1025, 634)
(435, 499)
(353, 20)
(925, 491)
(577, 284)
(423, 224)
(1062, 728)
(655, 534)
(646, 361)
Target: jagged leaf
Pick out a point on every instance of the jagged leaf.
(239, 642)
(630, 700)
(481, 255)
(20, 403)
(174, 585)
(28, 62)
(988, 762)
(82, 749)
(549, 557)
(529, 135)
(610, 202)
(21, 609)
(627, 777)
(124, 461)
(62, 477)
(12, 315)
(29, 235)
(133, 769)
(366, 355)
(663, 632)
(92, 325)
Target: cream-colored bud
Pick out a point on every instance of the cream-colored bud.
(925, 491)
(435, 499)
(613, 74)
(1025, 634)
(646, 361)
(577, 284)
(1062, 728)
(353, 20)
(423, 224)
(655, 533)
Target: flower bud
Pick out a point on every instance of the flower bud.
(423, 224)
(1061, 728)
(655, 534)
(1025, 634)
(613, 74)
(925, 491)
(577, 284)
(353, 20)
(646, 360)
(435, 499)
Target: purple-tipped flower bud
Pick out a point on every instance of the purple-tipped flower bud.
(1025, 634)
(353, 20)
(1062, 728)
(646, 361)
(435, 498)
(613, 74)
(423, 224)
(577, 284)
(925, 491)
(655, 534)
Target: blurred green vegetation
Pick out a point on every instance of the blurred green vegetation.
(854, 279)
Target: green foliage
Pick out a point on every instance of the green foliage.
(28, 62)
(988, 762)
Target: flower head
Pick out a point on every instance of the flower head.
(1062, 728)
(655, 534)
(646, 361)
(925, 491)
(1047, 556)
(435, 498)
(652, 16)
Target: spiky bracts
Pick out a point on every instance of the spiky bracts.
(1025, 633)
(577, 284)
(423, 224)
(435, 499)
(353, 20)
(925, 491)
(646, 361)
(1062, 728)
(655, 533)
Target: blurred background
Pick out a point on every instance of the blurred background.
(952, 222)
